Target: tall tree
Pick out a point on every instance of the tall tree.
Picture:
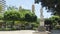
(12, 8)
(27, 16)
(30, 18)
(11, 15)
(53, 21)
(51, 5)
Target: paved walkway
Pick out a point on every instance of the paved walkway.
(17, 32)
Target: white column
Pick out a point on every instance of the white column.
(41, 17)
(41, 26)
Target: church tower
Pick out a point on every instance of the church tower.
(20, 8)
(33, 9)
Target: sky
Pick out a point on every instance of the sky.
(27, 4)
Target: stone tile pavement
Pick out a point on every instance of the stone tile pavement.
(22, 32)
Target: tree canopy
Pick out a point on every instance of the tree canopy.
(21, 15)
(11, 15)
(54, 21)
(30, 18)
(51, 5)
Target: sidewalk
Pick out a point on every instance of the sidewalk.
(17, 32)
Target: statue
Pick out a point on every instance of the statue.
(41, 26)
(2, 5)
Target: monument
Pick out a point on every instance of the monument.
(41, 26)
(41, 29)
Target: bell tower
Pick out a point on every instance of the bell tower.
(33, 9)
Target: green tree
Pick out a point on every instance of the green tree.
(11, 15)
(23, 16)
(1, 17)
(27, 17)
(53, 21)
(23, 12)
(12, 8)
(30, 18)
(51, 5)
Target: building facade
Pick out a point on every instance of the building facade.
(3, 5)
